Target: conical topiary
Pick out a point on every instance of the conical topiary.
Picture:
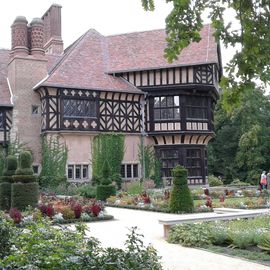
(180, 199)
(106, 189)
(25, 189)
(5, 182)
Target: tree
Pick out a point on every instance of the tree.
(241, 148)
(249, 32)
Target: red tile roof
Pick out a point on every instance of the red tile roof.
(4, 89)
(89, 60)
(145, 50)
(84, 66)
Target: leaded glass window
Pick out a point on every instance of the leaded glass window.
(79, 108)
(166, 108)
(196, 107)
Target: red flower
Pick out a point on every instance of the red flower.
(95, 209)
(77, 210)
(16, 215)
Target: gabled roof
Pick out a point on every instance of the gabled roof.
(84, 66)
(4, 89)
(145, 50)
(88, 62)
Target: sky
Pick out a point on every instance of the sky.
(108, 17)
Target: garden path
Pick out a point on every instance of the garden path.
(174, 257)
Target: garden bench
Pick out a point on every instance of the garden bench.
(193, 218)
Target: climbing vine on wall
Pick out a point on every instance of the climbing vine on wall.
(54, 160)
(110, 147)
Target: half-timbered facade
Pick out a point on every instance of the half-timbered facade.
(102, 84)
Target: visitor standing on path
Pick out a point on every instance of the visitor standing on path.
(263, 181)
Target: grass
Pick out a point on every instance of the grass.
(258, 256)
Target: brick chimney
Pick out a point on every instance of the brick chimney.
(37, 36)
(19, 37)
(53, 43)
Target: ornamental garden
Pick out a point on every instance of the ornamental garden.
(31, 204)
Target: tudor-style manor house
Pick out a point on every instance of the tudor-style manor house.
(120, 83)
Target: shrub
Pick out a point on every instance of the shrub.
(134, 188)
(96, 180)
(24, 191)
(105, 191)
(214, 181)
(6, 233)
(5, 182)
(264, 242)
(16, 215)
(190, 235)
(181, 198)
(95, 209)
(77, 211)
(237, 182)
(118, 180)
(23, 195)
(68, 213)
(87, 191)
(41, 246)
(219, 235)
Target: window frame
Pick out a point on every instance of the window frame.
(73, 168)
(133, 172)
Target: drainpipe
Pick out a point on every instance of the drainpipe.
(143, 134)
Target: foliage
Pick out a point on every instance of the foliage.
(108, 147)
(41, 246)
(247, 153)
(16, 215)
(106, 173)
(251, 61)
(105, 191)
(25, 190)
(146, 157)
(150, 163)
(54, 159)
(87, 191)
(6, 231)
(118, 180)
(180, 199)
(264, 243)
(5, 182)
(238, 183)
(190, 235)
(24, 194)
(214, 181)
(134, 188)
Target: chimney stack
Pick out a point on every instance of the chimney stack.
(19, 33)
(53, 43)
(37, 36)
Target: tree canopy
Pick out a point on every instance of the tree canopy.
(248, 32)
(241, 148)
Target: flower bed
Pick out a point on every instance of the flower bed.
(157, 202)
(61, 210)
(251, 235)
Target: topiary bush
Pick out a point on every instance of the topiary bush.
(5, 182)
(105, 191)
(214, 181)
(25, 189)
(181, 198)
(118, 180)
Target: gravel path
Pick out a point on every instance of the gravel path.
(174, 257)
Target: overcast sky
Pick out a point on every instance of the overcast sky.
(106, 16)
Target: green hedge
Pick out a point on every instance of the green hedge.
(23, 195)
(6, 179)
(5, 192)
(105, 191)
(24, 178)
(181, 198)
